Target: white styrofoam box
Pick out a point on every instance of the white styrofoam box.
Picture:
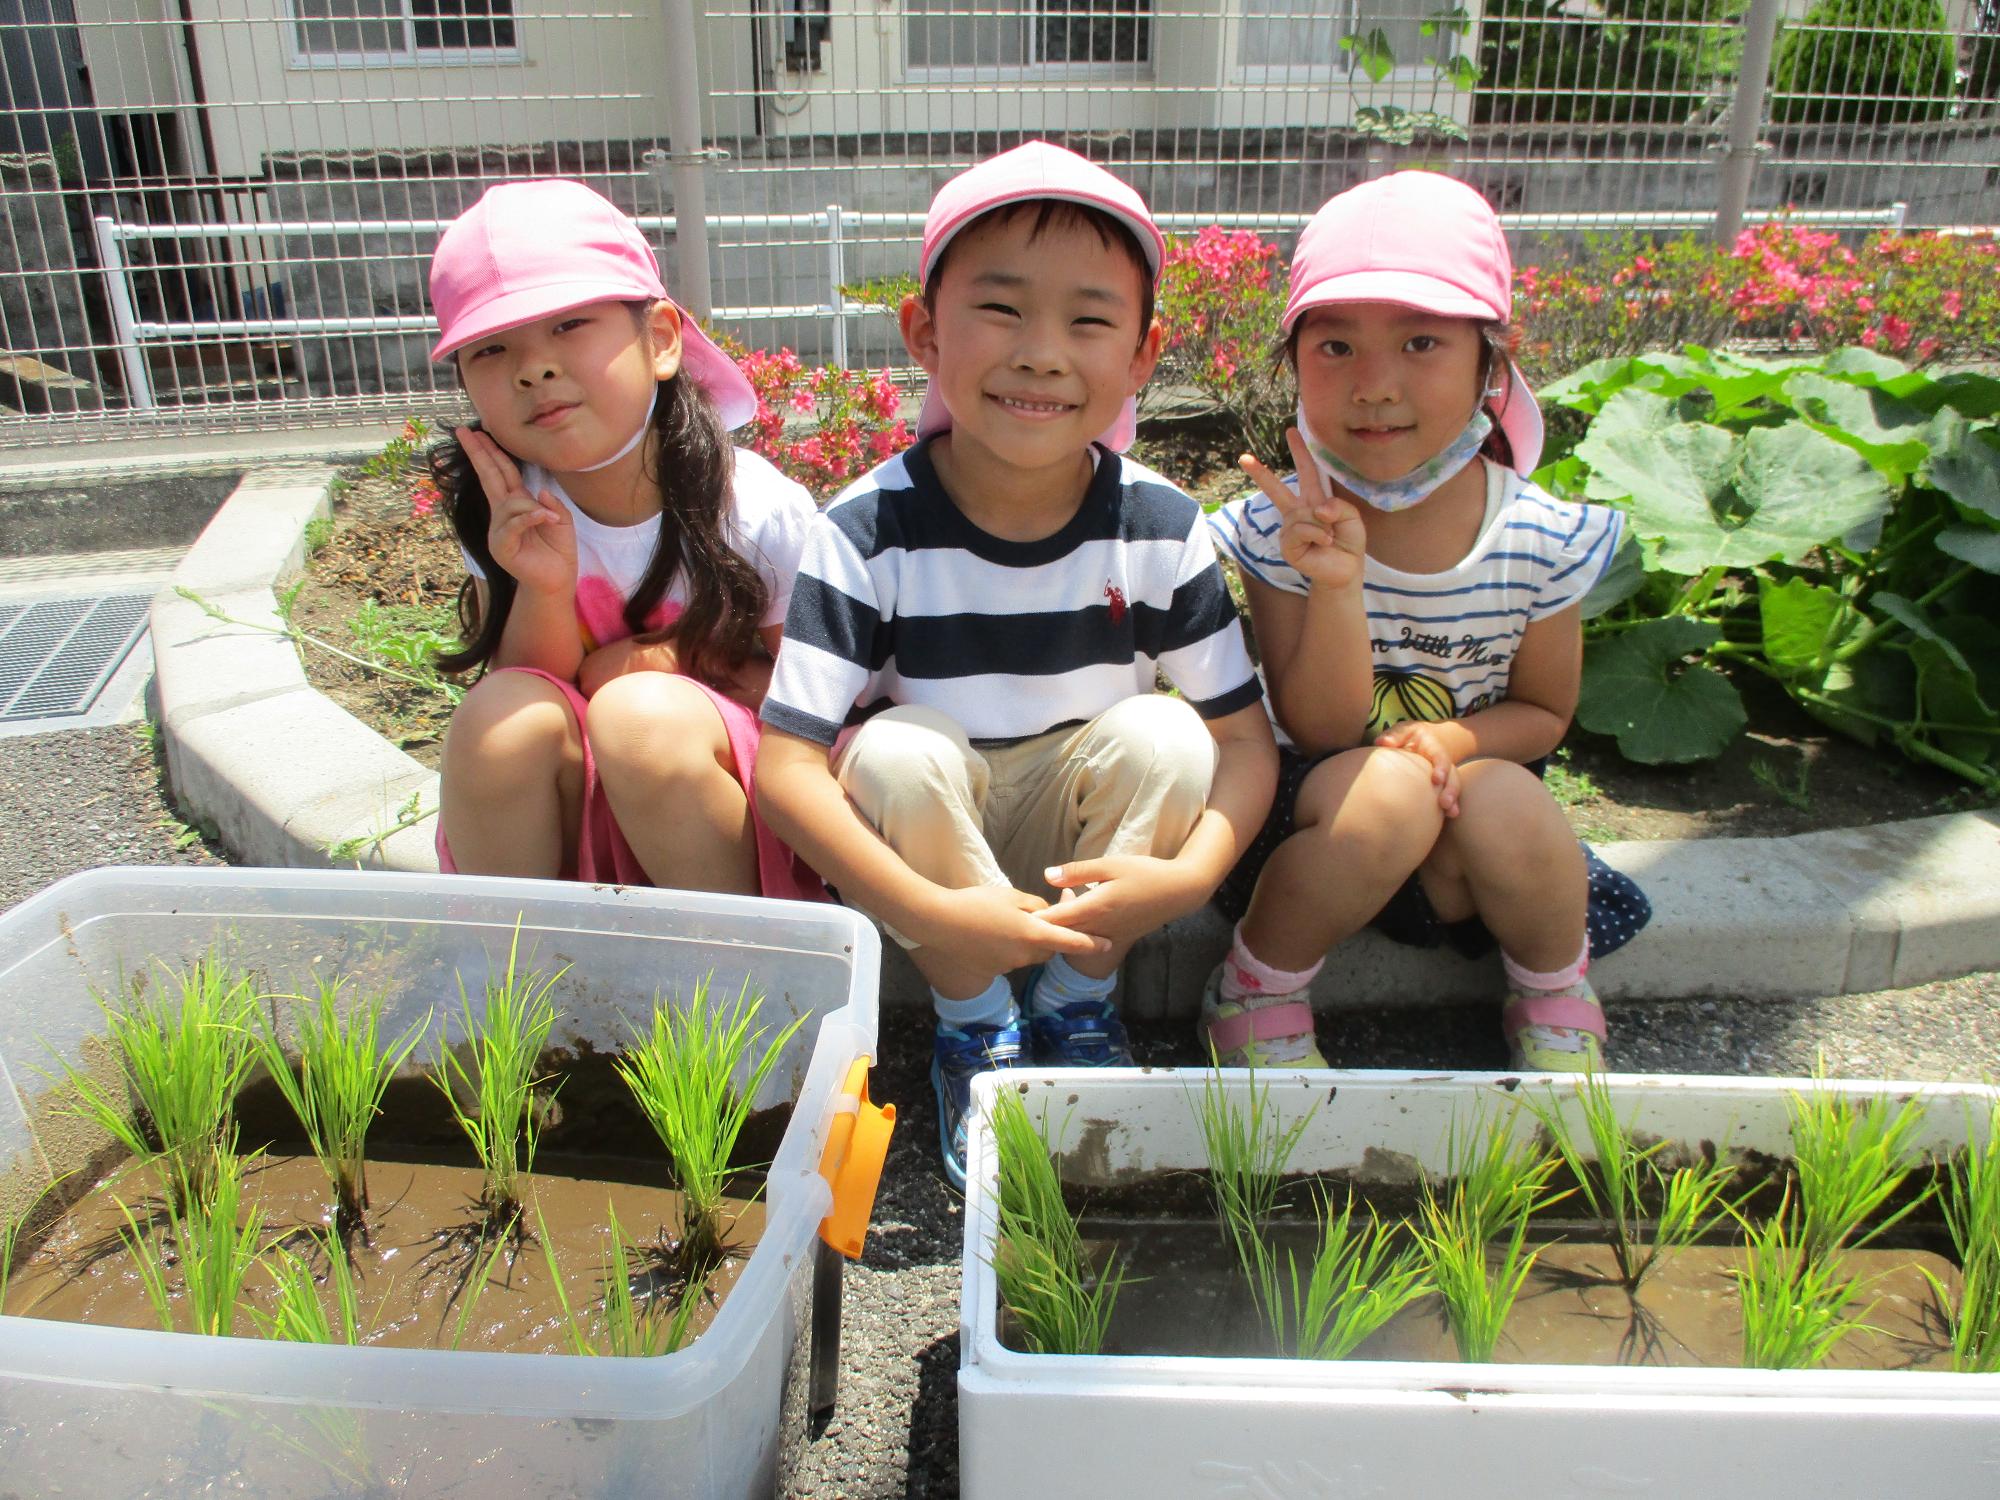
(1279, 1429)
(113, 1411)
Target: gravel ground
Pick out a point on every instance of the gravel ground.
(72, 801)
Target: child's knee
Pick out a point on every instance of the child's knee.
(909, 760)
(1374, 805)
(515, 718)
(657, 719)
(1157, 740)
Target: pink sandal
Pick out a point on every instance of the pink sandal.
(1554, 1031)
(1274, 1031)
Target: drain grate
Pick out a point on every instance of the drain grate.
(57, 654)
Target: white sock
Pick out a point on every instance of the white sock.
(992, 1006)
(1059, 984)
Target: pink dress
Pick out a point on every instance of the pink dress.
(771, 515)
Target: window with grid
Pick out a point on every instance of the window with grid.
(1280, 34)
(1027, 33)
(330, 30)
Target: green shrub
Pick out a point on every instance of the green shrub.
(1648, 62)
(1864, 62)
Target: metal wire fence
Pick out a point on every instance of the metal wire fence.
(218, 213)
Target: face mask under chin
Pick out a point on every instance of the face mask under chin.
(1409, 489)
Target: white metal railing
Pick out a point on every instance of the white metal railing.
(132, 332)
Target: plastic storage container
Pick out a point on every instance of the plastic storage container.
(111, 1411)
(1278, 1429)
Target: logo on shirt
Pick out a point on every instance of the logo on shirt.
(1117, 597)
(1401, 696)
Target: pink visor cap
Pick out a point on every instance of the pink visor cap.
(1028, 173)
(529, 250)
(1421, 240)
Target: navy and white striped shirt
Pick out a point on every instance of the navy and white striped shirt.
(1444, 643)
(902, 600)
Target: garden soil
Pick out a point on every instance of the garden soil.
(1786, 775)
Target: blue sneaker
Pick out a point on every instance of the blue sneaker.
(1082, 1034)
(957, 1054)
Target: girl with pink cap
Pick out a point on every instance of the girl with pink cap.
(1416, 602)
(630, 570)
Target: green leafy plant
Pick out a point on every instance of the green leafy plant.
(399, 456)
(626, 1326)
(1795, 790)
(1646, 1210)
(683, 1076)
(182, 1053)
(1850, 1159)
(1220, 297)
(1062, 1305)
(1375, 57)
(215, 1247)
(493, 1096)
(408, 639)
(1795, 1308)
(1654, 62)
(424, 677)
(1822, 522)
(336, 1089)
(298, 1314)
(1358, 1280)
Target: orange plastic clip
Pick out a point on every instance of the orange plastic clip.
(857, 1142)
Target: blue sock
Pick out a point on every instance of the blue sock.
(1061, 985)
(992, 1006)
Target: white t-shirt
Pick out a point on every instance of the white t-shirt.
(1444, 643)
(767, 529)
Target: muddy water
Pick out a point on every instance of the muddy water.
(422, 1260)
(422, 1256)
(1185, 1296)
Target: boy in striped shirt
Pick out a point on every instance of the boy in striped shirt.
(963, 732)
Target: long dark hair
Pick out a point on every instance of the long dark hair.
(693, 467)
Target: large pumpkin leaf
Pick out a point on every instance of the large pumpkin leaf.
(1715, 500)
(1966, 392)
(1798, 617)
(1967, 468)
(1887, 432)
(1950, 694)
(1881, 683)
(1637, 686)
(1973, 544)
(1620, 581)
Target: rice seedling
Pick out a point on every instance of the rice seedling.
(11, 1227)
(336, 1089)
(1970, 1201)
(1495, 1183)
(182, 1054)
(1248, 1150)
(1850, 1158)
(478, 1276)
(503, 1118)
(1795, 1308)
(1620, 1180)
(1478, 1291)
(215, 1245)
(628, 1327)
(298, 1315)
(1046, 1279)
(1496, 1180)
(682, 1076)
(1358, 1281)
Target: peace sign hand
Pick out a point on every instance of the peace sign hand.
(531, 537)
(1321, 534)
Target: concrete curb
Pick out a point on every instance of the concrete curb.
(285, 775)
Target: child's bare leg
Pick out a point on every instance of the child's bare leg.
(1510, 857)
(1365, 820)
(512, 778)
(664, 759)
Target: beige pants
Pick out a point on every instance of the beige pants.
(1132, 781)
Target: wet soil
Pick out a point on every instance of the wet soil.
(426, 1261)
(1185, 1296)
(422, 1260)
(1786, 775)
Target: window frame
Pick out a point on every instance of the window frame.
(1029, 71)
(413, 56)
(1341, 69)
